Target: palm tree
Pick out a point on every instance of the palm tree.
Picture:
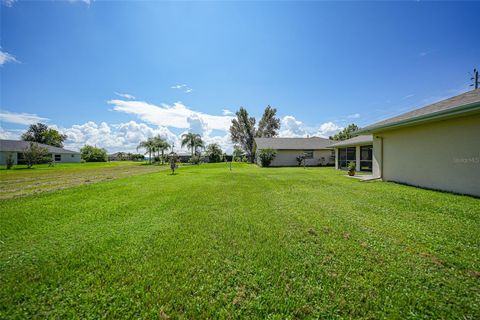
(214, 152)
(161, 146)
(149, 146)
(192, 141)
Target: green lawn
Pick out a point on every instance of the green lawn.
(250, 243)
(21, 181)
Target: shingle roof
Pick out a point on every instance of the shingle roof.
(20, 146)
(358, 140)
(458, 104)
(313, 143)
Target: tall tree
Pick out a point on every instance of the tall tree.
(214, 152)
(160, 146)
(41, 133)
(192, 141)
(243, 130)
(269, 124)
(237, 153)
(150, 146)
(93, 154)
(347, 133)
(34, 154)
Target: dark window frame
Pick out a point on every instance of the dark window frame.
(344, 156)
(308, 154)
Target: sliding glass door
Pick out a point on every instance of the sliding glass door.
(345, 155)
(366, 158)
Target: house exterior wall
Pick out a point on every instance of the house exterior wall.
(287, 158)
(4, 156)
(443, 155)
(65, 157)
(68, 158)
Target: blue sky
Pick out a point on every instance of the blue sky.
(114, 73)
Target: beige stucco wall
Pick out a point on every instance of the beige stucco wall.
(69, 158)
(443, 155)
(4, 156)
(66, 157)
(286, 158)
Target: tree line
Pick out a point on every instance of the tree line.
(243, 131)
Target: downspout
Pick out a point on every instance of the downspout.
(381, 156)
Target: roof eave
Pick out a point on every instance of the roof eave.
(365, 143)
(464, 109)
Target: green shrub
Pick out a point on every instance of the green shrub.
(267, 156)
(137, 157)
(300, 160)
(10, 162)
(34, 154)
(93, 154)
(351, 166)
(195, 160)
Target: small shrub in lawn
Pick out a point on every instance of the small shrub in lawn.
(9, 162)
(195, 160)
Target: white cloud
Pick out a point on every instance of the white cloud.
(178, 86)
(125, 95)
(328, 128)
(114, 137)
(408, 96)
(354, 116)
(6, 57)
(227, 112)
(127, 136)
(87, 2)
(8, 3)
(183, 87)
(21, 118)
(291, 127)
(10, 134)
(175, 115)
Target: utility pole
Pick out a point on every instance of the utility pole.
(475, 80)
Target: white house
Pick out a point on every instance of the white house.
(15, 149)
(436, 147)
(317, 151)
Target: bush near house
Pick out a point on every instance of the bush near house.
(9, 162)
(267, 156)
(35, 154)
(93, 154)
(195, 159)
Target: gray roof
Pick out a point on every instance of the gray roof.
(355, 141)
(20, 146)
(457, 105)
(313, 143)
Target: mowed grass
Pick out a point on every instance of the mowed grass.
(250, 243)
(21, 181)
